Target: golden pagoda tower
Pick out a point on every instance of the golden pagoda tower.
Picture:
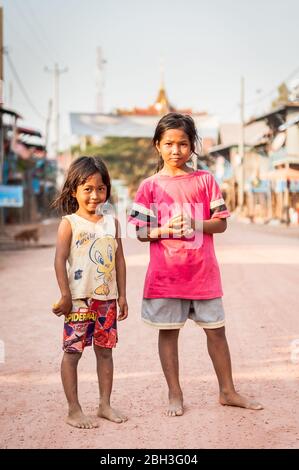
(161, 105)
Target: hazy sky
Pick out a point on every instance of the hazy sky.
(206, 46)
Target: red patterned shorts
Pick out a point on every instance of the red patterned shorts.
(90, 318)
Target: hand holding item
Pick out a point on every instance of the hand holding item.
(63, 307)
(179, 225)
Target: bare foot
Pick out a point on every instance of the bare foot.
(234, 399)
(105, 411)
(175, 407)
(79, 420)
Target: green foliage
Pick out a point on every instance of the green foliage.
(283, 96)
(127, 158)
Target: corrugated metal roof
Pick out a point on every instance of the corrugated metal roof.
(10, 112)
(230, 135)
(103, 125)
(278, 110)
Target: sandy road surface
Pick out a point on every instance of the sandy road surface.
(260, 280)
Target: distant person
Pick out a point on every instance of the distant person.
(178, 210)
(96, 278)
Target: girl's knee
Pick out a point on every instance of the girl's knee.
(216, 334)
(71, 358)
(169, 334)
(103, 353)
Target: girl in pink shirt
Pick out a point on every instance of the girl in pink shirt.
(178, 210)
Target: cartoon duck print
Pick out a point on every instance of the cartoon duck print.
(102, 254)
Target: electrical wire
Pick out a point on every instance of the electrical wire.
(22, 88)
(42, 31)
(32, 28)
(269, 93)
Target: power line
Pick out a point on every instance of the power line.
(261, 98)
(38, 56)
(41, 29)
(22, 88)
(269, 93)
(32, 28)
(292, 74)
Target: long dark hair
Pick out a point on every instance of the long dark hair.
(176, 121)
(79, 171)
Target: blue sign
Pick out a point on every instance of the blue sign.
(36, 185)
(263, 186)
(11, 196)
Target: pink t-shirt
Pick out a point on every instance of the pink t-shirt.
(184, 268)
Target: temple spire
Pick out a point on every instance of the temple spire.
(162, 104)
(162, 73)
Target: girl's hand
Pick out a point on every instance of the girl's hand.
(64, 306)
(179, 226)
(123, 307)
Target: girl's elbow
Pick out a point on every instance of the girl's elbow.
(142, 234)
(223, 226)
(142, 239)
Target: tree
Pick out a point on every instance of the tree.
(283, 95)
(127, 158)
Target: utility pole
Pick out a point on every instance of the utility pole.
(100, 80)
(47, 129)
(10, 94)
(56, 72)
(242, 149)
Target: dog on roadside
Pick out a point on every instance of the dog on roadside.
(27, 235)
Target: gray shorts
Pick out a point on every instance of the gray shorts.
(168, 314)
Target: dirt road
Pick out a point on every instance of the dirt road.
(260, 280)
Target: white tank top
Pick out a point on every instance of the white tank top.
(91, 270)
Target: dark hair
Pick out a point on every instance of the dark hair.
(176, 121)
(79, 171)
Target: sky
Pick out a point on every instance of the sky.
(205, 47)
